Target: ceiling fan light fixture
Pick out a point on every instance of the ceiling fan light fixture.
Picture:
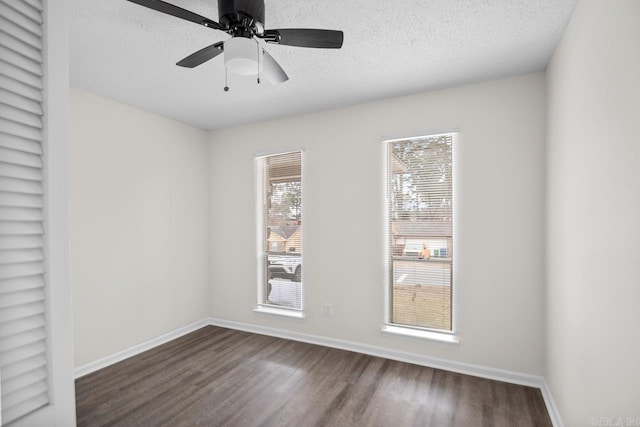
(241, 56)
(243, 20)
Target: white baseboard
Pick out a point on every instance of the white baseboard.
(552, 408)
(137, 349)
(417, 359)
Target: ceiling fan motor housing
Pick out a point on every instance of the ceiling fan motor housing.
(242, 18)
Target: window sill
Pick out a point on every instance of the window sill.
(415, 333)
(273, 311)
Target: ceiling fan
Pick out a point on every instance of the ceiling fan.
(243, 20)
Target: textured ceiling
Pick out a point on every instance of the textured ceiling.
(128, 52)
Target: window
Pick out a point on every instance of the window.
(279, 183)
(420, 232)
(23, 317)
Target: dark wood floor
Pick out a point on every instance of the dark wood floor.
(221, 377)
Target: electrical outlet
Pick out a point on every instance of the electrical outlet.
(327, 310)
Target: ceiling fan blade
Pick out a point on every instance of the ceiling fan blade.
(178, 12)
(305, 37)
(202, 56)
(272, 70)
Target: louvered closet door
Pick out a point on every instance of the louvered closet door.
(23, 357)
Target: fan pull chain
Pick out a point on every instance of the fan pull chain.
(226, 85)
(258, 58)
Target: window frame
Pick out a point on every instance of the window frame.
(409, 331)
(262, 248)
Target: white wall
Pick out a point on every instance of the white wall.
(593, 235)
(501, 186)
(139, 225)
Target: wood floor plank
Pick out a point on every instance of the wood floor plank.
(222, 377)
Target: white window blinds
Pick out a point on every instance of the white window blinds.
(23, 357)
(280, 230)
(420, 229)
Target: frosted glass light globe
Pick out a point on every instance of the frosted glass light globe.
(241, 56)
